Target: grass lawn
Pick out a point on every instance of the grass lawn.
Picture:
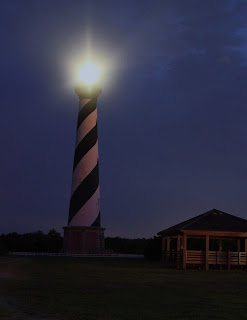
(116, 289)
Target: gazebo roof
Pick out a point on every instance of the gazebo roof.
(213, 220)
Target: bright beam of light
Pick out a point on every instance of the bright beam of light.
(89, 73)
(92, 67)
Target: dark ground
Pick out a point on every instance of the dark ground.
(116, 289)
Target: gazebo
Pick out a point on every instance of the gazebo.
(214, 238)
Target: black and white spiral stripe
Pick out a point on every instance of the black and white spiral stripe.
(84, 203)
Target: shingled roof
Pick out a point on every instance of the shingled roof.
(213, 220)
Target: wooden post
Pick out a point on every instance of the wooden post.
(220, 249)
(238, 243)
(178, 252)
(245, 243)
(220, 245)
(207, 253)
(168, 250)
(238, 248)
(168, 244)
(229, 260)
(163, 250)
(184, 251)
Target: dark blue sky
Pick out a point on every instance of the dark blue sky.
(172, 116)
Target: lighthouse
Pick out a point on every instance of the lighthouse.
(84, 233)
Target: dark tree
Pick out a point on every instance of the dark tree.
(123, 245)
(31, 242)
(152, 249)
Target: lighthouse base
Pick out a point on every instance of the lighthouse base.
(83, 240)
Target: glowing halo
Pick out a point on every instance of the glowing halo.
(89, 68)
(89, 73)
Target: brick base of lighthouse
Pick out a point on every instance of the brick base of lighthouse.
(83, 240)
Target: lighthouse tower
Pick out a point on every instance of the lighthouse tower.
(84, 233)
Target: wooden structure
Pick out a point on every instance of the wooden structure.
(214, 238)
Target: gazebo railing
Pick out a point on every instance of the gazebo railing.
(216, 257)
(225, 257)
(195, 257)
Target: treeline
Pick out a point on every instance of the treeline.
(151, 248)
(53, 242)
(31, 242)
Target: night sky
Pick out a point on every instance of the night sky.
(172, 117)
